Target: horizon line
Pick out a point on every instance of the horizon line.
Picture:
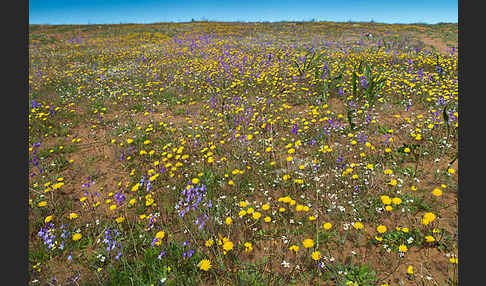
(249, 22)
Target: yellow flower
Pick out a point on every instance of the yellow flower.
(393, 182)
(428, 218)
(209, 243)
(327, 226)
(453, 260)
(381, 228)
(120, 219)
(250, 210)
(256, 215)
(228, 221)
(265, 207)
(403, 248)
(312, 218)
(267, 219)
(248, 247)
(242, 204)
(195, 181)
(358, 225)
(379, 238)
(205, 264)
(396, 201)
(294, 248)
(160, 235)
(149, 201)
(308, 243)
(437, 192)
(228, 245)
(316, 255)
(429, 238)
(42, 204)
(242, 213)
(48, 219)
(451, 171)
(410, 270)
(281, 210)
(385, 200)
(388, 208)
(77, 236)
(73, 215)
(129, 140)
(135, 187)
(388, 172)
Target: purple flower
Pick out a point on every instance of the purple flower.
(162, 253)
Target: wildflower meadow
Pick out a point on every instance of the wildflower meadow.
(226, 153)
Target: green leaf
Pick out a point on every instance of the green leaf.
(350, 119)
(445, 115)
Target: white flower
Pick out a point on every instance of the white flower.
(285, 264)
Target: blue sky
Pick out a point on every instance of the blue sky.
(151, 11)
